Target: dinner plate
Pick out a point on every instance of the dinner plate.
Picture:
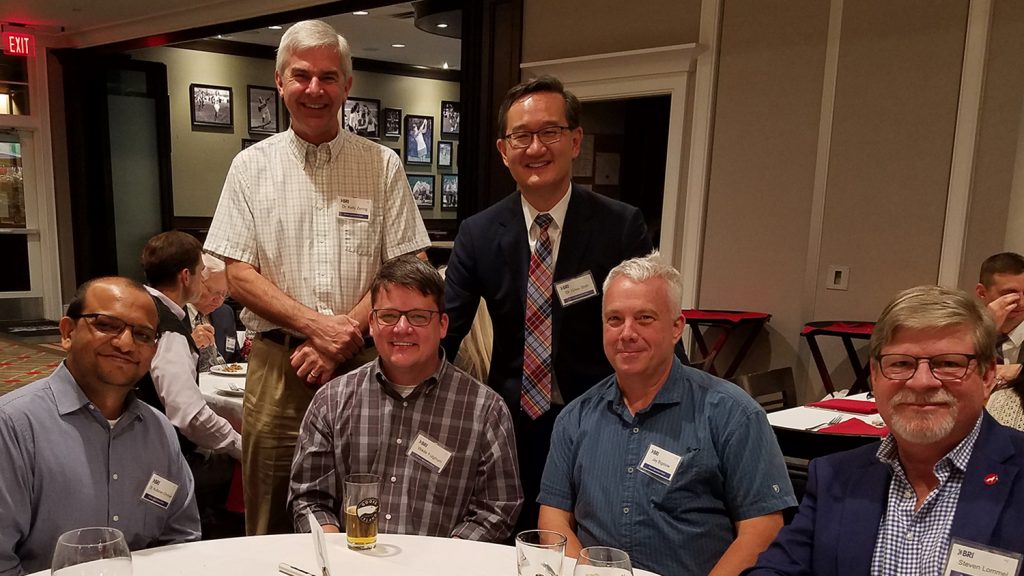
(230, 388)
(233, 369)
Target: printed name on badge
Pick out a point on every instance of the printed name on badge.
(576, 289)
(159, 491)
(660, 464)
(429, 452)
(354, 208)
(971, 559)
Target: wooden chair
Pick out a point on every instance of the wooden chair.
(774, 389)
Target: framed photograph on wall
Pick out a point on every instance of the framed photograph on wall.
(392, 122)
(449, 191)
(362, 117)
(210, 105)
(263, 109)
(444, 154)
(419, 139)
(246, 142)
(449, 118)
(422, 186)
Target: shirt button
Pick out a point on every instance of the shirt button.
(387, 516)
(405, 403)
(116, 518)
(625, 510)
(114, 476)
(393, 479)
(399, 441)
(630, 469)
(636, 430)
(907, 494)
(910, 535)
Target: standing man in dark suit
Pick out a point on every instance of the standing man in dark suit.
(538, 259)
(947, 481)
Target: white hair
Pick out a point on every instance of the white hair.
(644, 268)
(212, 264)
(313, 34)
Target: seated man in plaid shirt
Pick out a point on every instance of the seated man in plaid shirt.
(385, 417)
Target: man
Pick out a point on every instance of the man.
(213, 321)
(535, 258)
(946, 471)
(79, 450)
(678, 468)
(304, 222)
(442, 441)
(1000, 287)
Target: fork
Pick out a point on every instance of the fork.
(831, 422)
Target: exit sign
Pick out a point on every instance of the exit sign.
(18, 44)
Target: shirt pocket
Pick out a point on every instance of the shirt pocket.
(359, 237)
(694, 481)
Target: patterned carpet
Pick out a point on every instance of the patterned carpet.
(23, 363)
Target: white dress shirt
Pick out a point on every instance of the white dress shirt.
(557, 213)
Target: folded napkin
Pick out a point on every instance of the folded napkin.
(844, 405)
(855, 426)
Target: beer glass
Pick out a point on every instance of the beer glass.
(603, 561)
(540, 553)
(92, 552)
(362, 502)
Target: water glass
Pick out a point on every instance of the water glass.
(540, 553)
(97, 551)
(603, 561)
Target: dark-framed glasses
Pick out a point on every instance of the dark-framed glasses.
(943, 367)
(523, 139)
(390, 316)
(114, 326)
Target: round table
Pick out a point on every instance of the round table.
(227, 406)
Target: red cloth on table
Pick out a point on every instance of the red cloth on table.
(844, 405)
(855, 427)
(236, 499)
(730, 316)
(838, 328)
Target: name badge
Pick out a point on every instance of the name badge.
(660, 464)
(159, 491)
(576, 289)
(429, 452)
(230, 344)
(354, 208)
(971, 559)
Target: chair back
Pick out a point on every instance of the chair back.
(774, 389)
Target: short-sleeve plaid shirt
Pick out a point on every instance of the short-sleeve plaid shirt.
(358, 423)
(281, 211)
(915, 543)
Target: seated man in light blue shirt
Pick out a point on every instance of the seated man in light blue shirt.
(77, 449)
(676, 467)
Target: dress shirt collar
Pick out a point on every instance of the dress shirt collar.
(958, 456)
(427, 386)
(69, 397)
(1017, 336)
(668, 394)
(557, 211)
(178, 311)
(300, 148)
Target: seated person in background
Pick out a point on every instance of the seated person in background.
(373, 420)
(947, 470)
(213, 321)
(77, 449)
(676, 467)
(1000, 287)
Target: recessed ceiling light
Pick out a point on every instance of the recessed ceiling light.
(274, 27)
(398, 45)
(442, 25)
(360, 13)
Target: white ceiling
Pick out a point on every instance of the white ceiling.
(83, 23)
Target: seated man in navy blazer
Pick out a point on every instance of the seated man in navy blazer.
(537, 258)
(944, 488)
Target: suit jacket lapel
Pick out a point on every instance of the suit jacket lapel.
(514, 244)
(575, 236)
(980, 505)
(864, 500)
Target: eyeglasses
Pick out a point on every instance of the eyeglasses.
(523, 139)
(390, 316)
(222, 294)
(944, 367)
(114, 326)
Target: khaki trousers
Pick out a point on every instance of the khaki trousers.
(276, 399)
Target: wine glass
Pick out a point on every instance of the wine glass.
(603, 561)
(92, 552)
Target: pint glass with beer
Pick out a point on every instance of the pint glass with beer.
(362, 502)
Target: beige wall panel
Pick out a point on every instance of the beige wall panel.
(762, 166)
(200, 160)
(555, 29)
(998, 136)
(892, 139)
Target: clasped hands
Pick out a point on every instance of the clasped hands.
(333, 340)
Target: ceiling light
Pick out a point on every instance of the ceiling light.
(360, 13)
(274, 27)
(398, 45)
(445, 66)
(442, 25)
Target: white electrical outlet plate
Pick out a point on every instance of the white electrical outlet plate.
(838, 278)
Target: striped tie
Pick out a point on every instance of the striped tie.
(536, 395)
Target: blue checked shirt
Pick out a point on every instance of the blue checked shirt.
(916, 543)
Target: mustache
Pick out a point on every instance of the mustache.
(910, 397)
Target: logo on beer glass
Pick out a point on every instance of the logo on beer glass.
(367, 509)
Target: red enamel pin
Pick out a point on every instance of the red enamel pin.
(991, 479)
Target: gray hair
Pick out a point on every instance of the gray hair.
(213, 265)
(644, 268)
(930, 307)
(313, 34)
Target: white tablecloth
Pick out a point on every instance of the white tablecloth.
(805, 417)
(229, 407)
(395, 555)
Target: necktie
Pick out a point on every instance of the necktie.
(535, 399)
(1000, 355)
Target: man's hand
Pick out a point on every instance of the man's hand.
(337, 337)
(1004, 373)
(203, 335)
(312, 365)
(1001, 307)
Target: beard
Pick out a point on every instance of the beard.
(923, 428)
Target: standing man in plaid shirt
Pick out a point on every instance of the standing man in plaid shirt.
(387, 417)
(304, 222)
(945, 487)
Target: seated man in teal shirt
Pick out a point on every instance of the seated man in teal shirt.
(676, 467)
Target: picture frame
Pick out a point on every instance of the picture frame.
(450, 116)
(449, 191)
(246, 142)
(422, 186)
(392, 122)
(419, 139)
(397, 151)
(362, 117)
(263, 109)
(211, 106)
(444, 154)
